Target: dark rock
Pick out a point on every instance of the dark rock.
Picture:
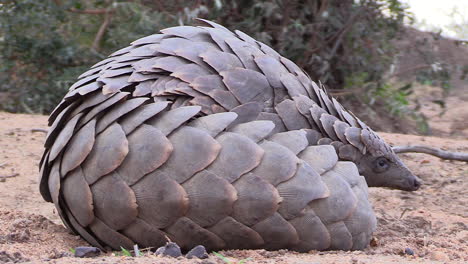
(159, 251)
(15, 257)
(197, 252)
(409, 251)
(20, 236)
(87, 252)
(20, 223)
(171, 249)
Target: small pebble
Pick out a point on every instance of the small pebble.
(197, 252)
(171, 249)
(87, 252)
(409, 251)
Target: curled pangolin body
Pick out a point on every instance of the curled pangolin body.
(208, 137)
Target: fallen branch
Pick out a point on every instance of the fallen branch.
(9, 176)
(88, 11)
(433, 151)
(337, 92)
(102, 29)
(41, 130)
(338, 37)
(410, 70)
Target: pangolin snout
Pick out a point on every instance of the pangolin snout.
(413, 184)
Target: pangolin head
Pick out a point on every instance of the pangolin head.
(381, 167)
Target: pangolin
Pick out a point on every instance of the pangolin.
(201, 135)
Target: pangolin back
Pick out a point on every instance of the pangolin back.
(206, 136)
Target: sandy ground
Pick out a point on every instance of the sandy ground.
(432, 222)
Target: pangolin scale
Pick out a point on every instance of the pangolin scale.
(205, 136)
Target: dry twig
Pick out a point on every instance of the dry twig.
(102, 30)
(41, 130)
(9, 176)
(410, 70)
(432, 151)
(89, 11)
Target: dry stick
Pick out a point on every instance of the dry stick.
(88, 11)
(409, 70)
(42, 130)
(339, 35)
(9, 176)
(432, 151)
(102, 29)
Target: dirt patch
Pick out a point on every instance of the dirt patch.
(431, 223)
(445, 120)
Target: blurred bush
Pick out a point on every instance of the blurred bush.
(345, 44)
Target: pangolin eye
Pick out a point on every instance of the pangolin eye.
(381, 164)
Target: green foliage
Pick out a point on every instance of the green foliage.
(38, 60)
(44, 45)
(223, 258)
(329, 39)
(395, 98)
(124, 252)
(435, 76)
(226, 260)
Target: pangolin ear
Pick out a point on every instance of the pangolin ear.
(375, 144)
(349, 152)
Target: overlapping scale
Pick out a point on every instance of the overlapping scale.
(124, 171)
